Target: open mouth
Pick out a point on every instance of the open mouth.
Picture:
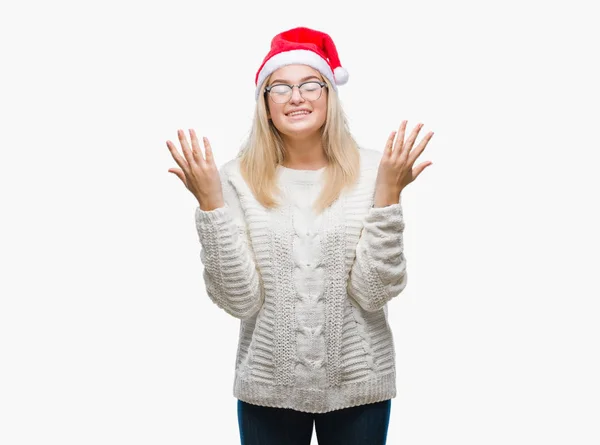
(298, 113)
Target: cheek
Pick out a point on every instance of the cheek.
(275, 112)
(276, 118)
(323, 111)
(322, 104)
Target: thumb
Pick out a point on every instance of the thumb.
(419, 169)
(179, 174)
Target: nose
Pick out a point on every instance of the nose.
(296, 96)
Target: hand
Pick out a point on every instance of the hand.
(198, 173)
(396, 167)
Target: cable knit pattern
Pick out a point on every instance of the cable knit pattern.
(310, 291)
(379, 271)
(308, 280)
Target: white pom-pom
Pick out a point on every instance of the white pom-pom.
(341, 75)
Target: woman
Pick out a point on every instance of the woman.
(301, 239)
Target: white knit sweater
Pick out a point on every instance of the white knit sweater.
(310, 290)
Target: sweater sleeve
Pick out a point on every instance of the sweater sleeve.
(230, 275)
(378, 273)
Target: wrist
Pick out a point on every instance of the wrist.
(387, 200)
(209, 206)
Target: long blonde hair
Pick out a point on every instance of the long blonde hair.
(264, 151)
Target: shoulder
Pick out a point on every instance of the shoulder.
(369, 168)
(231, 177)
(369, 158)
(230, 168)
(231, 174)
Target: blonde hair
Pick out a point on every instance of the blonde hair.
(264, 151)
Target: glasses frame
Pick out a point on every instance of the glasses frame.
(321, 84)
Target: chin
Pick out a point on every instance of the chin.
(301, 128)
(300, 132)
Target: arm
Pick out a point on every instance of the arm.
(232, 281)
(378, 273)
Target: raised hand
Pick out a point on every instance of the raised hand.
(198, 173)
(396, 167)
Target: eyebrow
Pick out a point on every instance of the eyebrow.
(304, 79)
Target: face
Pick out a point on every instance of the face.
(299, 117)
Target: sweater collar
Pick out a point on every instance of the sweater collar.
(302, 176)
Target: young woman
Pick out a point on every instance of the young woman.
(301, 239)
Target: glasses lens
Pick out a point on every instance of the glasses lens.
(280, 93)
(311, 90)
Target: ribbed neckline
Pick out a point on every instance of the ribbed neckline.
(302, 176)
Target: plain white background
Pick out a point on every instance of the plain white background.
(106, 333)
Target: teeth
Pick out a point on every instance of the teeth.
(295, 113)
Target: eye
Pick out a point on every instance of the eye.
(280, 89)
(311, 86)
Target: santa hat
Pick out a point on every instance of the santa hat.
(303, 46)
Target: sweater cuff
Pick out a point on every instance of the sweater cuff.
(211, 216)
(388, 213)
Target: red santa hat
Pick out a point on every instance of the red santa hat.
(303, 46)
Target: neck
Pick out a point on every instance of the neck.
(304, 154)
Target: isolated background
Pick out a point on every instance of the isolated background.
(106, 333)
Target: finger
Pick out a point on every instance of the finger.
(185, 147)
(180, 161)
(196, 151)
(389, 144)
(208, 153)
(414, 154)
(411, 139)
(418, 169)
(179, 174)
(400, 139)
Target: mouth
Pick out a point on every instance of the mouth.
(298, 114)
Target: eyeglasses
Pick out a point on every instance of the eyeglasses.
(281, 93)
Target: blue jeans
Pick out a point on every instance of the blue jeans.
(359, 425)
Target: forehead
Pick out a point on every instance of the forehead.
(294, 73)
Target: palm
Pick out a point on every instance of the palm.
(396, 169)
